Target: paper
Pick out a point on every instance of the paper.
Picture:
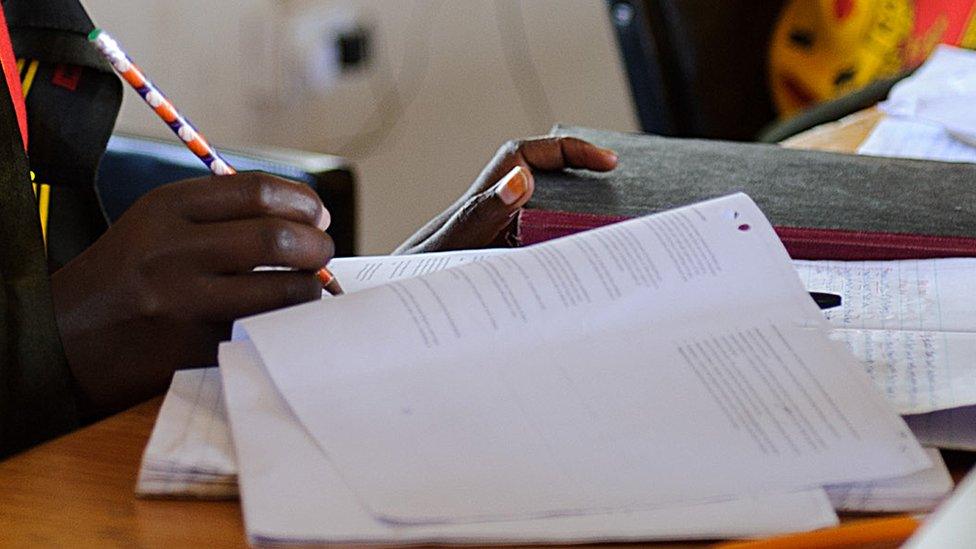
(292, 493)
(952, 526)
(599, 372)
(953, 429)
(180, 472)
(359, 273)
(919, 492)
(910, 323)
(930, 114)
(941, 91)
(189, 452)
(910, 138)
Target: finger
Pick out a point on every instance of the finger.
(249, 195)
(482, 218)
(557, 153)
(241, 295)
(240, 246)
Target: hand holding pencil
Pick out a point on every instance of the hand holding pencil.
(180, 125)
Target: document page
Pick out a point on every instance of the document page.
(360, 273)
(599, 372)
(910, 323)
(293, 493)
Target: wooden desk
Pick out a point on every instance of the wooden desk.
(78, 490)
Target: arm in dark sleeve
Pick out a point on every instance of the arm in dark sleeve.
(37, 399)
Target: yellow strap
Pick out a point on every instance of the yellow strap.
(29, 77)
(43, 208)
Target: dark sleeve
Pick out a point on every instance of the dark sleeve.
(36, 390)
(37, 401)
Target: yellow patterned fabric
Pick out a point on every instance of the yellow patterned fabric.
(822, 49)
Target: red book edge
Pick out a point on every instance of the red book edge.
(801, 242)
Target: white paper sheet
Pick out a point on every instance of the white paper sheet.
(189, 452)
(909, 138)
(596, 372)
(942, 91)
(919, 492)
(910, 323)
(930, 114)
(292, 493)
(952, 526)
(953, 429)
(949, 72)
(359, 273)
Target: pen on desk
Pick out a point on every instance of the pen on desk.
(825, 300)
(182, 127)
(865, 533)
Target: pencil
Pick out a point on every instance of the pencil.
(873, 533)
(180, 125)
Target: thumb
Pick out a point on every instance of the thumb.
(482, 219)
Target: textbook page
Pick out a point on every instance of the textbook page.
(292, 492)
(359, 273)
(910, 323)
(598, 372)
(189, 452)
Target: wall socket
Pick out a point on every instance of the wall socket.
(329, 45)
(290, 55)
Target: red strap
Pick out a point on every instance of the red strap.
(9, 62)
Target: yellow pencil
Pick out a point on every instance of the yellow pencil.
(873, 533)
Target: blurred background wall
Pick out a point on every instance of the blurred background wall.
(445, 83)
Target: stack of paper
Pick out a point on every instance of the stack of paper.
(647, 380)
(181, 475)
(189, 452)
(930, 114)
(770, 391)
(919, 492)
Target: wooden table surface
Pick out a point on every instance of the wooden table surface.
(78, 490)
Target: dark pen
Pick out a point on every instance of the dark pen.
(826, 301)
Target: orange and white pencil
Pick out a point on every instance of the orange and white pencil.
(181, 126)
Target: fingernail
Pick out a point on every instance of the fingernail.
(513, 186)
(611, 152)
(324, 220)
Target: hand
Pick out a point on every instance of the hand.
(485, 216)
(159, 290)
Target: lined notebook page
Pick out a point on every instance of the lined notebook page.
(910, 324)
